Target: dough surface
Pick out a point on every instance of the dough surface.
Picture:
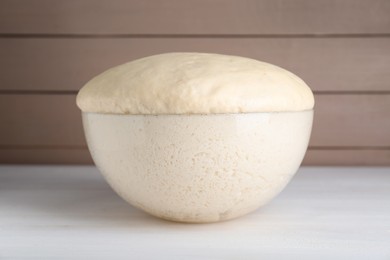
(194, 83)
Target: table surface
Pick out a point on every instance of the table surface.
(69, 212)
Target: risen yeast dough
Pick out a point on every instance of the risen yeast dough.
(194, 83)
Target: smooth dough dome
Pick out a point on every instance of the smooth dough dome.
(194, 83)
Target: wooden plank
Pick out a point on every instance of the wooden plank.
(370, 157)
(195, 17)
(342, 64)
(351, 120)
(54, 120)
(327, 157)
(38, 120)
(35, 155)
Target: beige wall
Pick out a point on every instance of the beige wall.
(50, 48)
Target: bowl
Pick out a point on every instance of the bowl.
(198, 168)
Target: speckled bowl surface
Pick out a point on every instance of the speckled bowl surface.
(198, 168)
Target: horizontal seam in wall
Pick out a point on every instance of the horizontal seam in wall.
(83, 147)
(342, 148)
(124, 35)
(43, 147)
(37, 92)
(74, 92)
(351, 92)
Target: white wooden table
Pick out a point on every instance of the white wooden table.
(69, 212)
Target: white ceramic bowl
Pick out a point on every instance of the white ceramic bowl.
(198, 168)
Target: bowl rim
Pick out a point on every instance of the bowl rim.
(197, 114)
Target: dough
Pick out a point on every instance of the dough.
(194, 83)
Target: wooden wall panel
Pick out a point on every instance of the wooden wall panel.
(50, 48)
(54, 120)
(351, 120)
(44, 155)
(342, 64)
(195, 17)
(41, 121)
(348, 157)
